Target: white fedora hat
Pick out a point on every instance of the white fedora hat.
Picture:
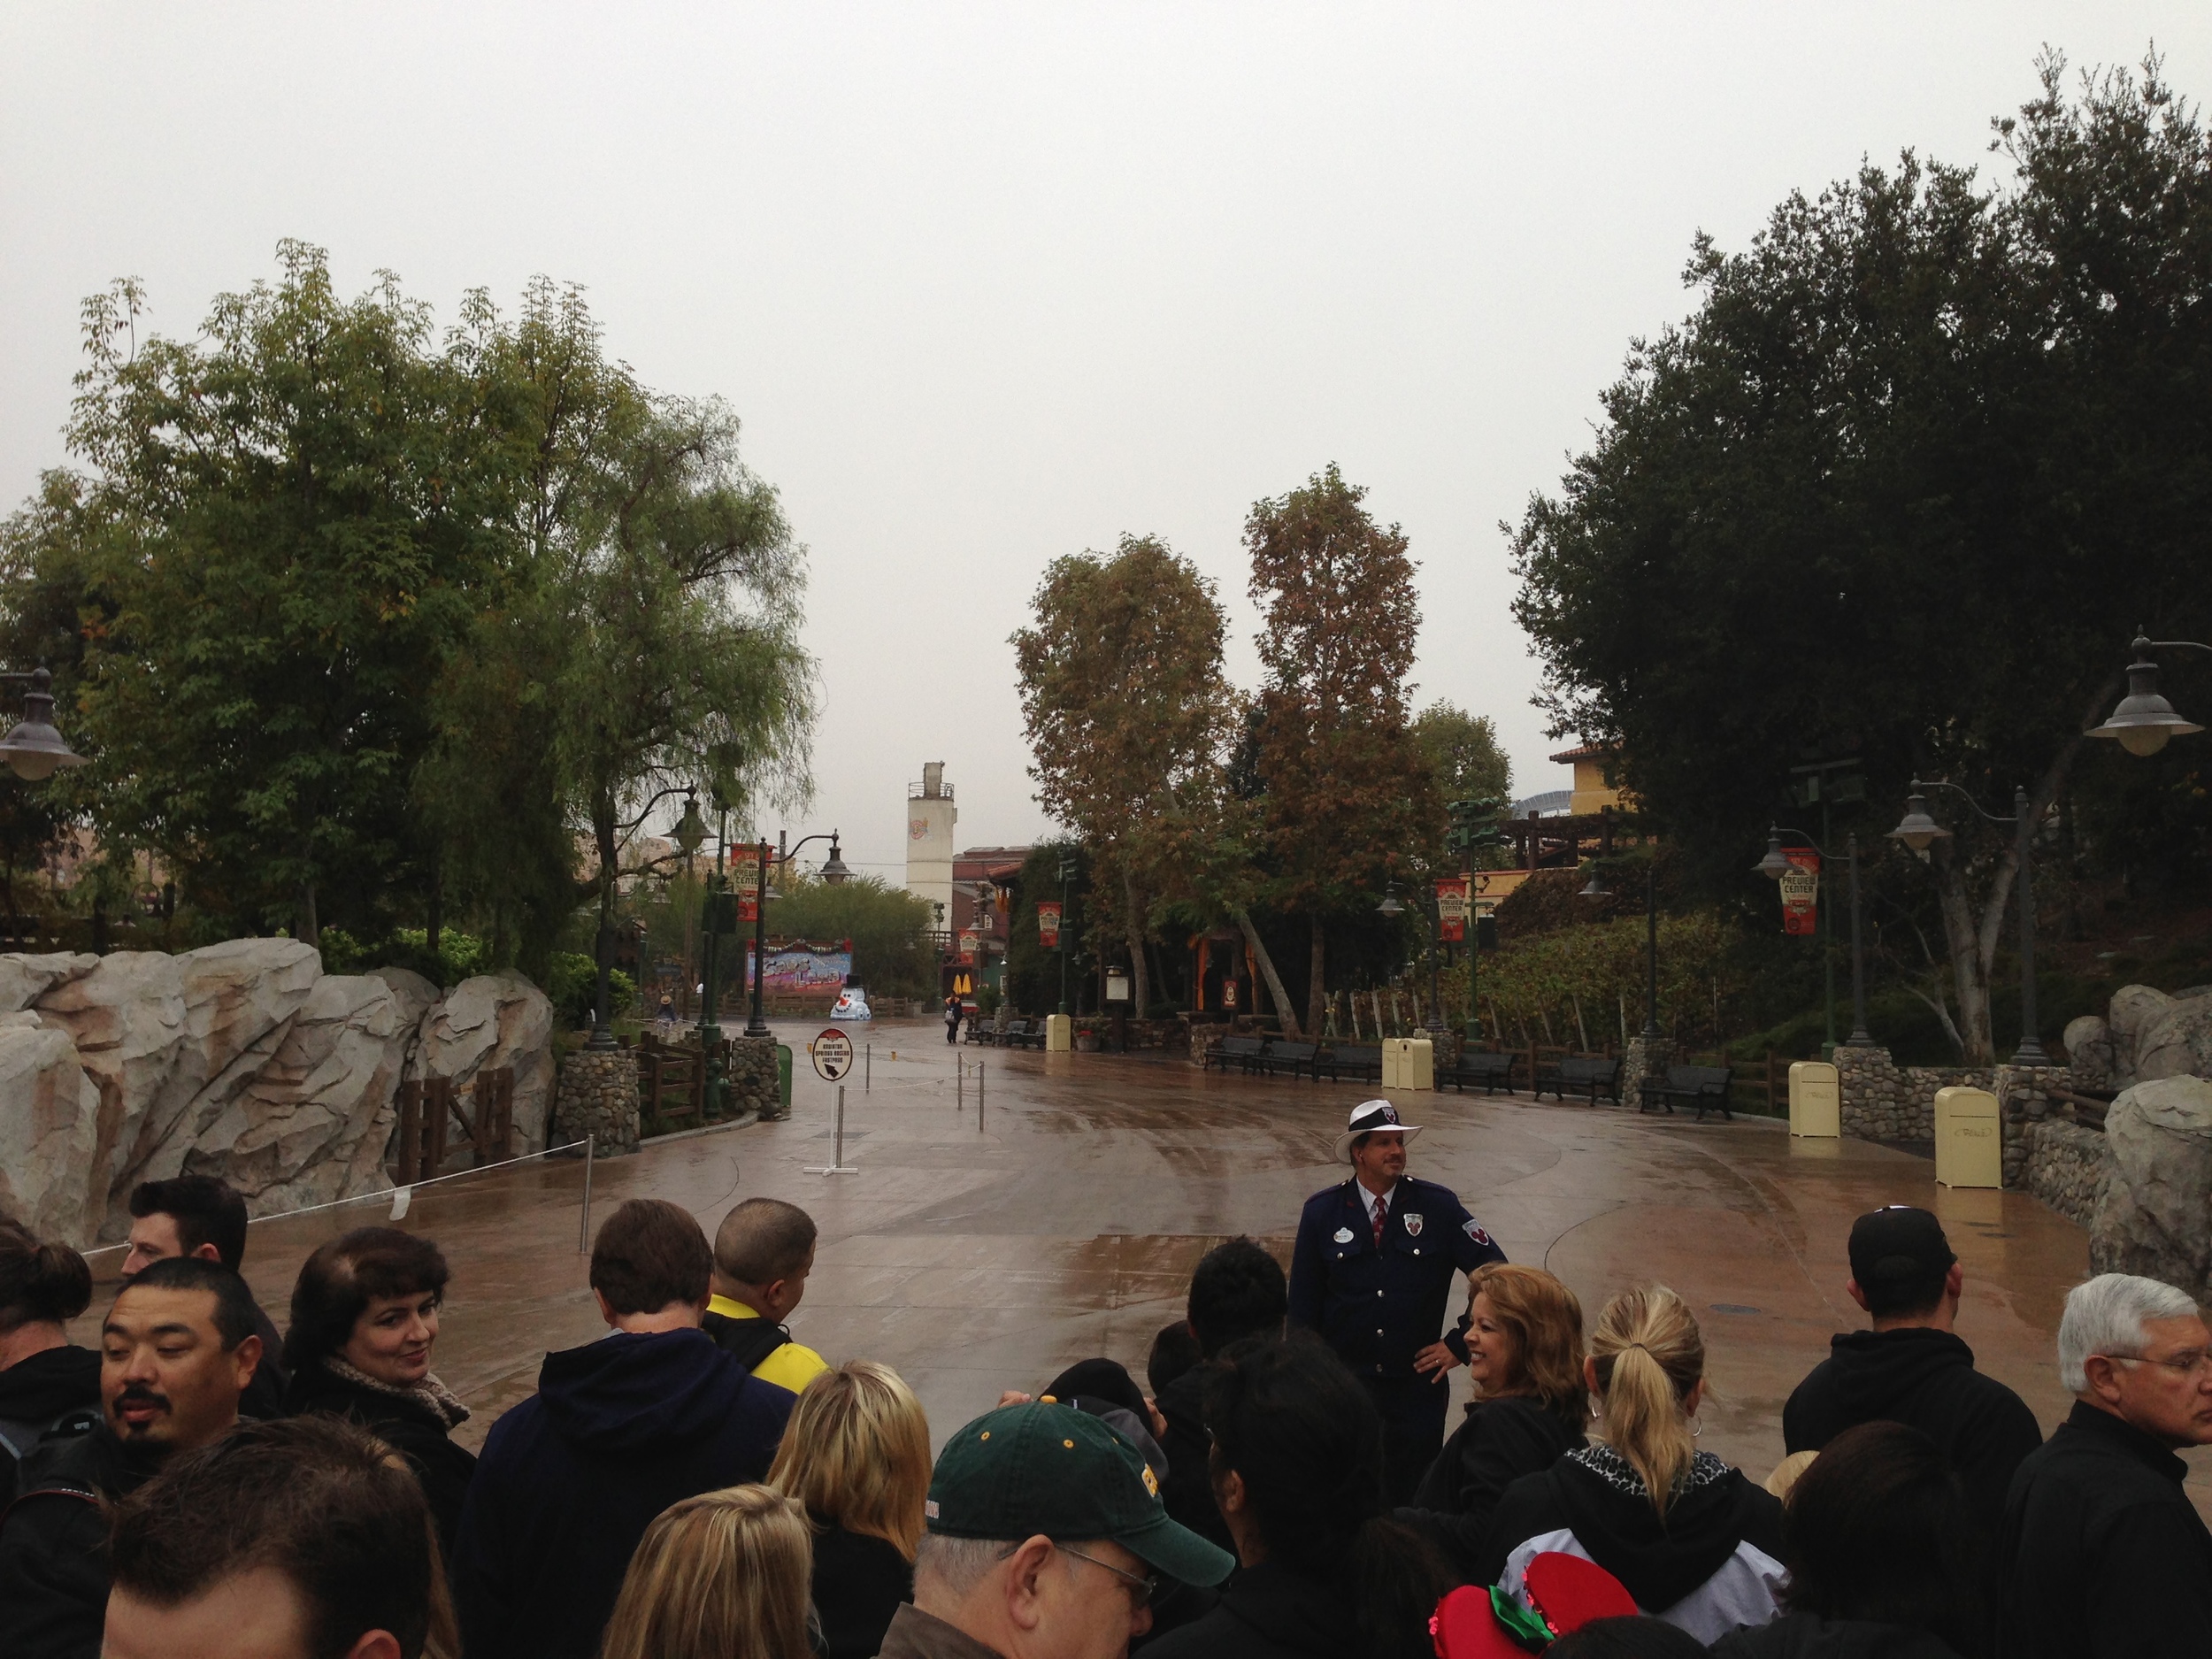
(1368, 1116)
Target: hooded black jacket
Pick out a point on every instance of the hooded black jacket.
(1269, 1611)
(411, 1426)
(569, 1480)
(35, 1394)
(1810, 1636)
(53, 1544)
(1188, 1490)
(1713, 1563)
(1925, 1379)
(2103, 1551)
(1501, 1440)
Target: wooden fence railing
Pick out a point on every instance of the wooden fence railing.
(429, 1110)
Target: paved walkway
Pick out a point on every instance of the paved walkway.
(982, 1249)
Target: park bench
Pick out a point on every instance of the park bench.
(1241, 1052)
(1586, 1075)
(1294, 1057)
(1703, 1087)
(1360, 1060)
(1014, 1036)
(1493, 1072)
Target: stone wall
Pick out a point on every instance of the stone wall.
(1645, 1057)
(2065, 1165)
(2023, 1099)
(1883, 1101)
(752, 1079)
(598, 1097)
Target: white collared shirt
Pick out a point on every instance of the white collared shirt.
(1373, 1203)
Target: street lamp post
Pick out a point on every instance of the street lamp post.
(833, 872)
(1651, 952)
(1067, 870)
(1425, 904)
(1919, 830)
(1775, 866)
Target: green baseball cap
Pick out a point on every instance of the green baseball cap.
(1048, 1468)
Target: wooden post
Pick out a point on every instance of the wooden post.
(437, 1105)
(410, 1131)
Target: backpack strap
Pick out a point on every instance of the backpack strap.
(750, 1341)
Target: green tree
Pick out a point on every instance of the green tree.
(1123, 697)
(1901, 487)
(1347, 796)
(1464, 756)
(888, 927)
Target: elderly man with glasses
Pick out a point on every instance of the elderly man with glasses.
(2103, 1551)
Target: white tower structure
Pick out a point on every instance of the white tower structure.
(930, 818)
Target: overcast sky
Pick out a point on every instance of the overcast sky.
(988, 285)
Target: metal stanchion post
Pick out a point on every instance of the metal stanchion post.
(868, 1069)
(959, 1085)
(583, 1227)
(837, 1164)
(978, 1097)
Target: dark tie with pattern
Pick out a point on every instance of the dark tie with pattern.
(1382, 1219)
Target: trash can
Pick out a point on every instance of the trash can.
(1816, 1099)
(1969, 1140)
(783, 1076)
(1059, 1033)
(1409, 1063)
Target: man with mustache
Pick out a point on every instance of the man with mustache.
(176, 1351)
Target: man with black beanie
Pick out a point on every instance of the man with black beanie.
(1910, 1368)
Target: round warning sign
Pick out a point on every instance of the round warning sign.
(832, 1053)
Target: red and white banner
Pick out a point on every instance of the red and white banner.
(1048, 927)
(1800, 891)
(1451, 909)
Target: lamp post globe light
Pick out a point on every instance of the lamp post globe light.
(2143, 720)
(33, 749)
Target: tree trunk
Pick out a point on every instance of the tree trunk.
(1132, 929)
(1280, 998)
(303, 924)
(1315, 963)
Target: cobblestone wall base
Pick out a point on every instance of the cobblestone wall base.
(598, 1097)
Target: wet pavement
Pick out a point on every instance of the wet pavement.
(992, 1235)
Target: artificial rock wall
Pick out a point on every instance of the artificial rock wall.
(242, 1060)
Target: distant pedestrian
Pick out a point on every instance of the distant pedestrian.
(49, 1388)
(1884, 1555)
(667, 1014)
(2103, 1551)
(364, 1320)
(1911, 1368)
(292, 1539)
(178, 1349)
(618, 1430)
(1372, 1271)
(203, 1216)
(855, 1454)
(720, 1576)
(1692, 1539)
(763, 1252)
(1237, 1293)
(952, 1018)
(1531, 1406)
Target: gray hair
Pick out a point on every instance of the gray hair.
(2106, 1315)
(960, 1564)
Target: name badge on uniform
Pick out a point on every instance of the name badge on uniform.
(1344, 1235)
(1413, 1226)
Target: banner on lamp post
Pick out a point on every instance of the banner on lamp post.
(1801, 892)
(1048, 927)
(969, 940)
(1451, 909)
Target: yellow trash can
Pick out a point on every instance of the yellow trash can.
(1816, 1099)
(1409, 1063)
(1059, 1033)
(1969, 1140)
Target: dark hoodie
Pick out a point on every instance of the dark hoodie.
(1712, 1563)
(53, 1543)
(1501, 1440)
(1925, 1379)
(1269, 1611)
(1810, 1636)
(57, 1389)
(1189, 1491)
(569, 1480)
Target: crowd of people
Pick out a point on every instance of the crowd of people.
(696, 1484)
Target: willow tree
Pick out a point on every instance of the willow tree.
(1123, 698)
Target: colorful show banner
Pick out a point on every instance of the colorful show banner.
(1800, 891)
(1048, 927)
(801, 968)
(1451, 909)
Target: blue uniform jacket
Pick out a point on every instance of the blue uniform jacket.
(1378, 1308)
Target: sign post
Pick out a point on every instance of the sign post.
(832, 1055)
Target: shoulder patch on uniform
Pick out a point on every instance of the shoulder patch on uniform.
(1473, 1230)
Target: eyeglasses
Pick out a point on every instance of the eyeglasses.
(2181, 1364)
(1140, 1590)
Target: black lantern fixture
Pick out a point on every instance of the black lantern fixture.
(834, 870)
(1594, 887)
(33, 749)
(1917, 829)
(691, 829)
(2143, 720)
(1390, 905)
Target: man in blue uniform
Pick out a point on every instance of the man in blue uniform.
(1372, 1273)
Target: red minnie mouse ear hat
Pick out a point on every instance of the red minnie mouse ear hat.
(1564, 1593)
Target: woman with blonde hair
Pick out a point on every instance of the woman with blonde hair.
(1531, 1407)
(855, 1456)
(1691, 1539)
(720, 1576)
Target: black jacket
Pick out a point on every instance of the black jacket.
(1501, 1440)
(1713, 1563)
(858, 1583)
(413, 1427)
(2102, 1551)
(569, 1480)
(1269, 1611)
(1925, 1379)
(53, 1542)
(264, 1395)
(57, 1390)
(1188, 1490)
(1810, 1636)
